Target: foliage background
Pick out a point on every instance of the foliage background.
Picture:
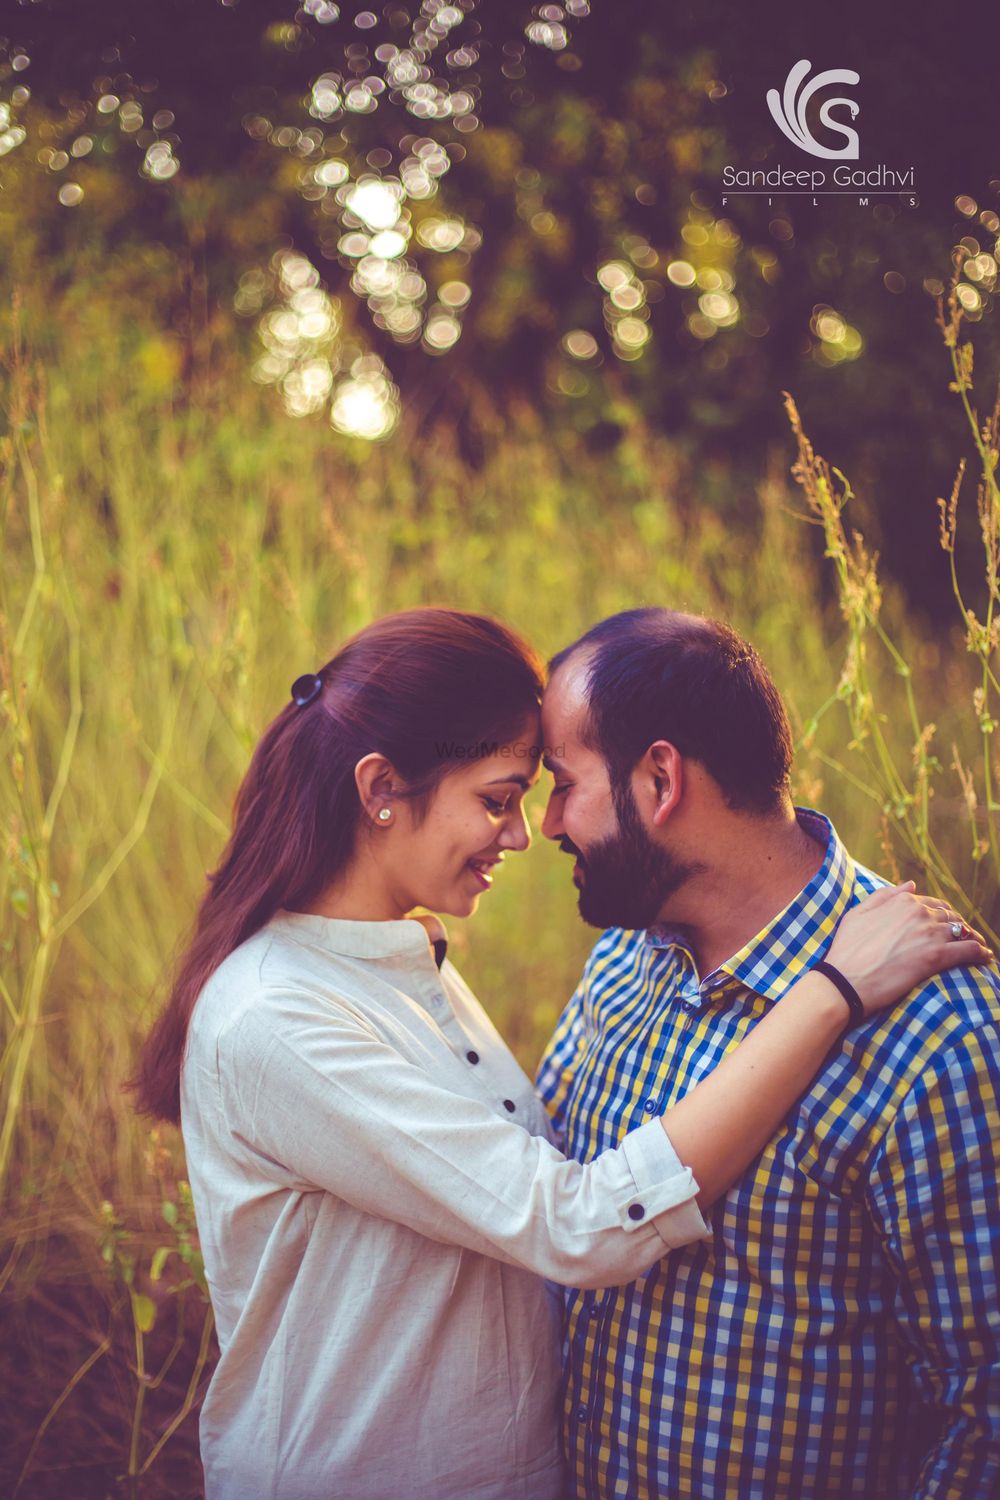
(178, 545)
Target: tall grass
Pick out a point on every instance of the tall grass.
(925, 775)
(170, 567)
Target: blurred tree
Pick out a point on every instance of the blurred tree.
(430, 199)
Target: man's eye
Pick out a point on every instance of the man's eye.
(557, 791)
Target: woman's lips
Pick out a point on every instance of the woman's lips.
(483, 871)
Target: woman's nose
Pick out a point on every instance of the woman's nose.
(517, 834)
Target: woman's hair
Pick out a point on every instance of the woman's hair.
(426, 688)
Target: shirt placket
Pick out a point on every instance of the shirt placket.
(588, 1402)
(434, 997)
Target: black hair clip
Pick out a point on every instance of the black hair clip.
(305, 689)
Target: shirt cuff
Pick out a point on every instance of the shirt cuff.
(665, 1190)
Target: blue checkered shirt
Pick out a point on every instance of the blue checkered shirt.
(838, 1334)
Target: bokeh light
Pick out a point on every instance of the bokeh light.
(375, 203)
(454, 294)
(548, 33)
(838, 342)
(160, 163)
(366, 404)
(580, 344)
(330, 173)
(299, 332)
(441, 330)
(681, 273)
(625, 312)
(441, 234)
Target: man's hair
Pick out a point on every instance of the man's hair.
(658, 674)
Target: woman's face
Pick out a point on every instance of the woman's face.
(475, 816)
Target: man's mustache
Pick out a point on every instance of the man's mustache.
(568, 847)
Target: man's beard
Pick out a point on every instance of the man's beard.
(627, 878)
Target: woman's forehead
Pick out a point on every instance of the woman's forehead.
(511, 763)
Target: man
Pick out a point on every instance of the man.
(837, 1335)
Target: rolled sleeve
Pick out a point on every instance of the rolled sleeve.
(665, 1190)
(322, 1101)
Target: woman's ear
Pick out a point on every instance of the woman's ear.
(378, 785)
(663, 768)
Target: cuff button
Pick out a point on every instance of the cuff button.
(636, 1211)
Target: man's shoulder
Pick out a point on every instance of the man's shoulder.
(940, 1015)
(866, 881)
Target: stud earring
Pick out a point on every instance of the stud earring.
(384, 814)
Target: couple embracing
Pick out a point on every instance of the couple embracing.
(737, 1242)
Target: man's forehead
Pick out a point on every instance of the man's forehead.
(566, 691)
(564, 708)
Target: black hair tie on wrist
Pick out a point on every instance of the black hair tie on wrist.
(846, 988)
(306, 688)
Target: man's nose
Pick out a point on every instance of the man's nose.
(552, 823)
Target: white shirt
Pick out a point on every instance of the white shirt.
(378, 1199)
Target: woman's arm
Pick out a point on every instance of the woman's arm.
(885, 947)
(306, 1095)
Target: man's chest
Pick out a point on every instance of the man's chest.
(639, 1060)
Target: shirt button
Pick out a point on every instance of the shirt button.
(636, 1211)
(581, 1413)
(473, 1057)
(509, 1106)
(649, 1106)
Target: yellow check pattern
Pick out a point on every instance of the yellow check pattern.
(840, 1333)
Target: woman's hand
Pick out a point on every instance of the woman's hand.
(894, 941)
(886, 946)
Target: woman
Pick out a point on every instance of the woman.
(376, 1191)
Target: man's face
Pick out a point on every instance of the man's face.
(624, 877)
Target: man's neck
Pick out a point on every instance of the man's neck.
(761, 866)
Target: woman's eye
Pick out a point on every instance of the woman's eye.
(496, 807)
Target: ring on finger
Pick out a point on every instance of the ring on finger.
(958, 930)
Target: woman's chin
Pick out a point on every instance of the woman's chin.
(458, 905)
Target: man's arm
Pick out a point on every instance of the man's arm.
(934, 1193)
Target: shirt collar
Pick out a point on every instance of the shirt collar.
(799, 935)
(403, 938)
